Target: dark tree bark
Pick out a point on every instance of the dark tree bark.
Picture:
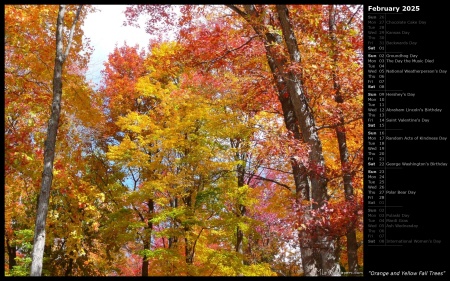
(189, 249)
(147, 237)
(11, 249)
(69, 268)
(145, 258)
(189, 242)
(49, 150)
(352, 244)
(173, 239)
(240, 174)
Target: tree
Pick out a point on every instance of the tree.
(324, 260)
(298, 97)
(29, 57)
(352, 244)
(118, 91)
(221, 153)
(25, 101)
(49, 151)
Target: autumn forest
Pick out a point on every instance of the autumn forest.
(232, 147)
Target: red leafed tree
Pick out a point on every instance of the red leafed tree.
(278, 31)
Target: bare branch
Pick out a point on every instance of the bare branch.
(237, 10)
(139, 213)
(210, 63)
(270, 180)
(339, 124)
(72, 29)
(351, 18)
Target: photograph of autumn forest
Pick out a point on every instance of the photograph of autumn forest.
(229, 144)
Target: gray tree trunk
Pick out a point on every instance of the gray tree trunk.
(302, 188)
(49, 150)
(318, 254)
(352, 244)
(325, 245)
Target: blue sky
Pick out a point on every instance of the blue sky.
(105, 29)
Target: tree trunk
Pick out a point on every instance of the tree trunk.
(145, 258)
(325, 263)
(69, 268)
(241, 210)
(49, 150)
(302, 188)
(11, 249)
(189, 249)
(301, 123)
(304, 115)
(173, 239)
(325, 245)
(148, 237)
(352, 244)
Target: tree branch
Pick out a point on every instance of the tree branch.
(269, 180)
(139, 213)
(273, 169)
(210, 63)
(72, 29)
(339, 124)
(195, 242)
(237, 10)
(357, 10)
